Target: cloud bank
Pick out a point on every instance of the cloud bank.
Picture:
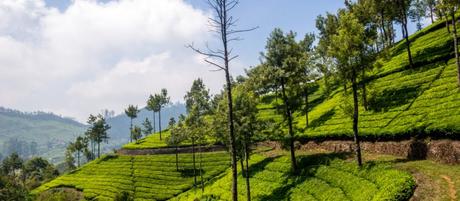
(95, 55)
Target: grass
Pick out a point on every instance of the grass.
(150, 142)
(403, 102)
(323, 177)
(145, 177)
(435, 181)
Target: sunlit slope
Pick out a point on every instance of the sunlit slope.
(403, 102)
(151, 177)
(322, 177)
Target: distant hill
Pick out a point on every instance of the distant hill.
(120, 124)
(47, 134)
(36, 133)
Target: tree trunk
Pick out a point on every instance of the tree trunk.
(232, 135)
(243, 173)
(194, 164)
(364, 89)
(355, 118)
(291, 131)
(406, 36)
(306, 106)
(177, 160)
(455, 38)
(98, 150)
(159, 121)
(431, 13)
(385, 38)
(154, 126)
(78, 158)
(201, 169)
(131, 131)
(248, 187)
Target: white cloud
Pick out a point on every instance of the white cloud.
(98, 55)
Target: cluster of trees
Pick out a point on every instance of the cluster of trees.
(23, 148)
(349, 43)
(88, 145)
(155, 103)
(18, 177)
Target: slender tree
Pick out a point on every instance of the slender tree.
(152, 105)
(308, 65)
(197, 104)
(136, 133)
(163, 100)
(403, 8)
(131, 112)
(79, 146)
(451, 8)
(100, 128)
(223, 23)
(349, 45)
(176, 137)
(284, 54)
(148, 129)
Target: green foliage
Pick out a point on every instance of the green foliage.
(402, 102)
(323, 177)
(144, 177)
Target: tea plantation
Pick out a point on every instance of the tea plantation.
(323, 177)
(144, 177)
(403, 102)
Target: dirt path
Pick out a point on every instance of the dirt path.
(452, 191)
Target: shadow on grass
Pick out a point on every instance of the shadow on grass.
(390, 98)
(322, 119)
(189, 172)
(307, 166)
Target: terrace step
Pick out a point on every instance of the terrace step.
(169, 150)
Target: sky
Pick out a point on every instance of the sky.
(77, 57)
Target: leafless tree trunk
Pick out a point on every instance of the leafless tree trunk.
(223, 25)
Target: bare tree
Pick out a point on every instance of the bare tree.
(223, 24)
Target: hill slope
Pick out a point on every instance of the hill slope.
(42, 134)
(403, 102)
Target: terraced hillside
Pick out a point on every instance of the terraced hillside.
(152, 177)
(323, 177)
(402, 102)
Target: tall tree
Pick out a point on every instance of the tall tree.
(176, 137)
(247, 125)
(163, 100)
(131, 112)
(148, 129)
(152, 105)
(403, 8)
(197, 104)
(80, 145)
(308, 64)
(283, 54)
(100, 128)
(348, 47)
(223, 24)
(451, 8)
(327, 27)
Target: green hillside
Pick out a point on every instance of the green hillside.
(323, 177)
(50, 133)
(403, 102)
(145, 177)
